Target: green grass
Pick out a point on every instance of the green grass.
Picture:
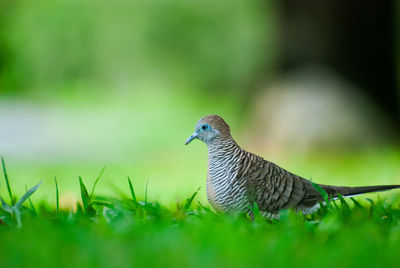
(130, 231)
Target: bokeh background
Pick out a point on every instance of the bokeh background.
(311, 86)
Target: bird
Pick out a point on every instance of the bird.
(238, 180)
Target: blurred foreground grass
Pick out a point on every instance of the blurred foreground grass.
(132, 231)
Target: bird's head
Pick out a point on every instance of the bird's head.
(210, 128)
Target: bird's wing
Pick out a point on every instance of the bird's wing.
(274, 188)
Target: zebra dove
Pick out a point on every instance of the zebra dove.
(237, 179)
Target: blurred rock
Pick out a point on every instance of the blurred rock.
(315, 108)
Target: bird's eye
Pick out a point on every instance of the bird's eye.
(205, 127)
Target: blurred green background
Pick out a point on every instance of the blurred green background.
(121, 84)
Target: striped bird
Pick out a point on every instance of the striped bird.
(237, 179)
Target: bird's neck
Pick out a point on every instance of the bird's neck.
(222, 147)
(221, 159)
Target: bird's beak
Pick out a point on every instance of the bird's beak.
(194, 136)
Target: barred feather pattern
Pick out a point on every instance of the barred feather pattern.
(237, 179)
(226, 189)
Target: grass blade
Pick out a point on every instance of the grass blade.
(343, 202)
(87, 207)
(323, 193)
(84, 193)
(22, 200)
(96, 181)
(190, 200)
(206, 209)
(5, 206)
(132, 191)
(7, 181)
(103, 204)
(18, 218)
(356, 203)
(372, 208)
(30, 201)
(371, 201)
(334, 203)
(145, 192)
(57, 197)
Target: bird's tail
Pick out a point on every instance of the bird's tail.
(313, 196)
(352, 191)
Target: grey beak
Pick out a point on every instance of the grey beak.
(194, 136)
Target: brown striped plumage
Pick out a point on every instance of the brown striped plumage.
(237, 179)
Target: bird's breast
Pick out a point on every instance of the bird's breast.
(226, 191)
(211, 196)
